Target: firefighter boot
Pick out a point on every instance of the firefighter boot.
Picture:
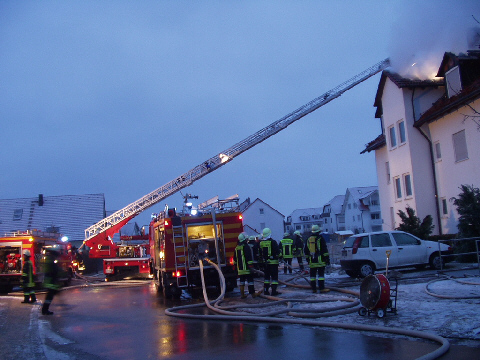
(266, 287)
(251, 290)
(274, 290)
(45, 310)
(242, 292)
(33, 298)
(321, 286)
(26, 299)
(313, 286)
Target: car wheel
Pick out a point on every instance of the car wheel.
(366, 269)
(362, 311)
(436, 261)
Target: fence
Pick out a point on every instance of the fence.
(462, 244)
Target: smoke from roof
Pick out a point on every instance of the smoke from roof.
(421, 37)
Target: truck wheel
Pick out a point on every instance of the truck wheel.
(366, 269)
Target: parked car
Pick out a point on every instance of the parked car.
(362, 254)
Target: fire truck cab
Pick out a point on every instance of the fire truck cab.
(178, 242)
(11, 260)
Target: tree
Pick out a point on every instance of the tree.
(412, 224)
(468, 209)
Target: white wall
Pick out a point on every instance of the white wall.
(270, 218)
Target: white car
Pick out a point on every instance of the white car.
(362, 254)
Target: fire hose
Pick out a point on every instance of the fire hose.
(226, 315)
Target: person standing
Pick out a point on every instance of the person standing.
(51, 277)
(298, 249)
(270, 252)
(254, 245)
(27, 279)
(317, 255)
(244, 262)
(287, 252)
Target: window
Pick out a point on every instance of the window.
(261, 211)
(403, 239)
(393, 137)
(444, 206)
(17, 214)
(381, 240)
(460, 146)
(438, 151)
(325, 220)
(401, 132)
(407, 180)
(298, 227)
(398, 188)
(375, 216)
(387, 169)
(304, 218)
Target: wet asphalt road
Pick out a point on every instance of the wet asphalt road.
(129, 323)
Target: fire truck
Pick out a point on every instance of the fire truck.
(132, 258)
(180, 241)
(98, 237)
(11, 249)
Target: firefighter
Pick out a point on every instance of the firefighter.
(298, 249)
(287, 252)
(244, 262)
(51, 277)
(270, 252)
(27, 279)
(316, 252)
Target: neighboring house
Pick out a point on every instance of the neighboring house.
(258, 215)
(332, 213)
(429, 141)
(69, 215)
(303, 219)
(361, 210)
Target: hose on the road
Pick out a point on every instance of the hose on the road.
(429, 292)
(225, 315)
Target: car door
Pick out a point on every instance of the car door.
(410, 249)
(380, 243)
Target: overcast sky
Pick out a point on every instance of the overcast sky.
(121, 97)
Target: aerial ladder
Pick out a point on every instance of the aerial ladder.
(102, 232)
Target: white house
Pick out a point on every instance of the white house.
(258, 215)
(332, 214)
(303, 219)
(429, 141)
(361, 209)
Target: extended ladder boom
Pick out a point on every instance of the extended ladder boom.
(112, 223)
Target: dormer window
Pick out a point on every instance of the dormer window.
(453, 82)
(304, 218)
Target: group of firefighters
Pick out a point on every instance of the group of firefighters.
(51, 271)
(252, 254)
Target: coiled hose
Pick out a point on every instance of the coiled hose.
(226, 315)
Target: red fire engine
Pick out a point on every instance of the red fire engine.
(178, 242)
(11, 250)
(132, 258)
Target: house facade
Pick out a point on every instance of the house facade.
(258, 215)
(332, 216)
(361, 210)
(303, 219)
(429, 141)
(69, 215)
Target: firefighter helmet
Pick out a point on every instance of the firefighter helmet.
(251, 237)
(315, 228)
(242, 237)
(266, 233)
(26, 253)
(297, 233)
(286, 234)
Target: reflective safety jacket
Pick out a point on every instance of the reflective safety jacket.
(51, 273)
(243, 258)
(316, 251)
(298, 246)
(269, 251)
(27, 274)
(287, 248)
